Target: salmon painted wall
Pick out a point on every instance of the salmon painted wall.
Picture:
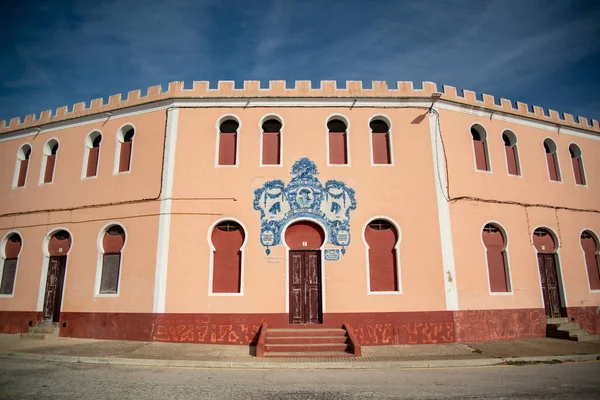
(404, 192)
(142, 182)
(534, 185)
(136, 287)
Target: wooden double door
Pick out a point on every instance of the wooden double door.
(550, 287)
(54, 288)
(305, 287)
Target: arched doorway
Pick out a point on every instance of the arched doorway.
(545, 244)
(58, 247)
(304, 239)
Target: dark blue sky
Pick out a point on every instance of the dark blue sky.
(540, 52)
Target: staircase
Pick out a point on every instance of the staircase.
(42, 330)
(561, 328)
(307, 343)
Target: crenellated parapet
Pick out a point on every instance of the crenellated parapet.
(301, 89)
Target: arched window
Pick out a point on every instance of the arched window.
(591, 251)
(479, 137)
(382, 241)
(380, 137)
(512, 154)
(271, 142)
(22, 165)
(227, 239)
(228, 131)
(338, 142)
(49, 161)
(552, 160)
(113, 241)
(125, 148)
(577, 162)
(92, 149)
(495, 245)
(12, 248)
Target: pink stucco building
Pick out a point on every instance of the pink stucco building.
(197, 215)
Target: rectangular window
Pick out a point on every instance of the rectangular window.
(338, 153)
(92, 166)
(22, 172)
(578, 170)
(111, 264)
(480, 155)
(381, 148)
(552, 166)
(125, 156)
(227, 148)
(49, 173)
(271, 146)
(8, 276)
(511, 160)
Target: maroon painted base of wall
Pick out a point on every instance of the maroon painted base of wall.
(369, 328)
(483, 325)
(18, 321)
(588, 318)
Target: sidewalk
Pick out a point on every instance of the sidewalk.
(226, 356)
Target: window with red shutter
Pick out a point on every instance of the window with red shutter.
(271, 142)
(380, 137)
(577, 162)
(22, 164)
(382, 238)
(512, 155)
(495, 246)
(12, 249)
(93, 149)
(338, 142)
(227, 239)
(112, 246)
(552, 160)
(228, 131)
(479, 138)
(591, 251)
(126, 148)
(50, 154)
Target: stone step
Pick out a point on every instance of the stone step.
(319, 332)
(310, 354)
(554, 321)
(304, 347)
(589, 338)
(33, 335)
(43, 329)
(564, 327)
(305, 339)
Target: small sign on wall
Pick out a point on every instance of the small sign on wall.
(331, 254)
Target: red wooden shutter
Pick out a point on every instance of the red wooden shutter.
(125, 156)
(511, 160)
(92, 166)
(383, 272)
(49, 173)
(8, 276)
(590, 249)
(496, 258)
(480, 156)
(227, 261)
(271, 146)
(111, 264)
(578, 170)
(552, 167)
(381, 148)
(24, 164)
(337, 148)
(227, 148)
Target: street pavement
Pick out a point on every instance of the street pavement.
(24, 379)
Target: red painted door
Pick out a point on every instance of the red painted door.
(305, 287)
(54, 288)
(550, 289)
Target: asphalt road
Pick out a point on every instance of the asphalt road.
(20, 379)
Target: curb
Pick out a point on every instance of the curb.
(294, 365)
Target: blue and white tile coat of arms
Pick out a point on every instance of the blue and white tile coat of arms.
(304, 197)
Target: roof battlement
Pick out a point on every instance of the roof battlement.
(301, 89)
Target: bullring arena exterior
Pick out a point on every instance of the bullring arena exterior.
(211, 215)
